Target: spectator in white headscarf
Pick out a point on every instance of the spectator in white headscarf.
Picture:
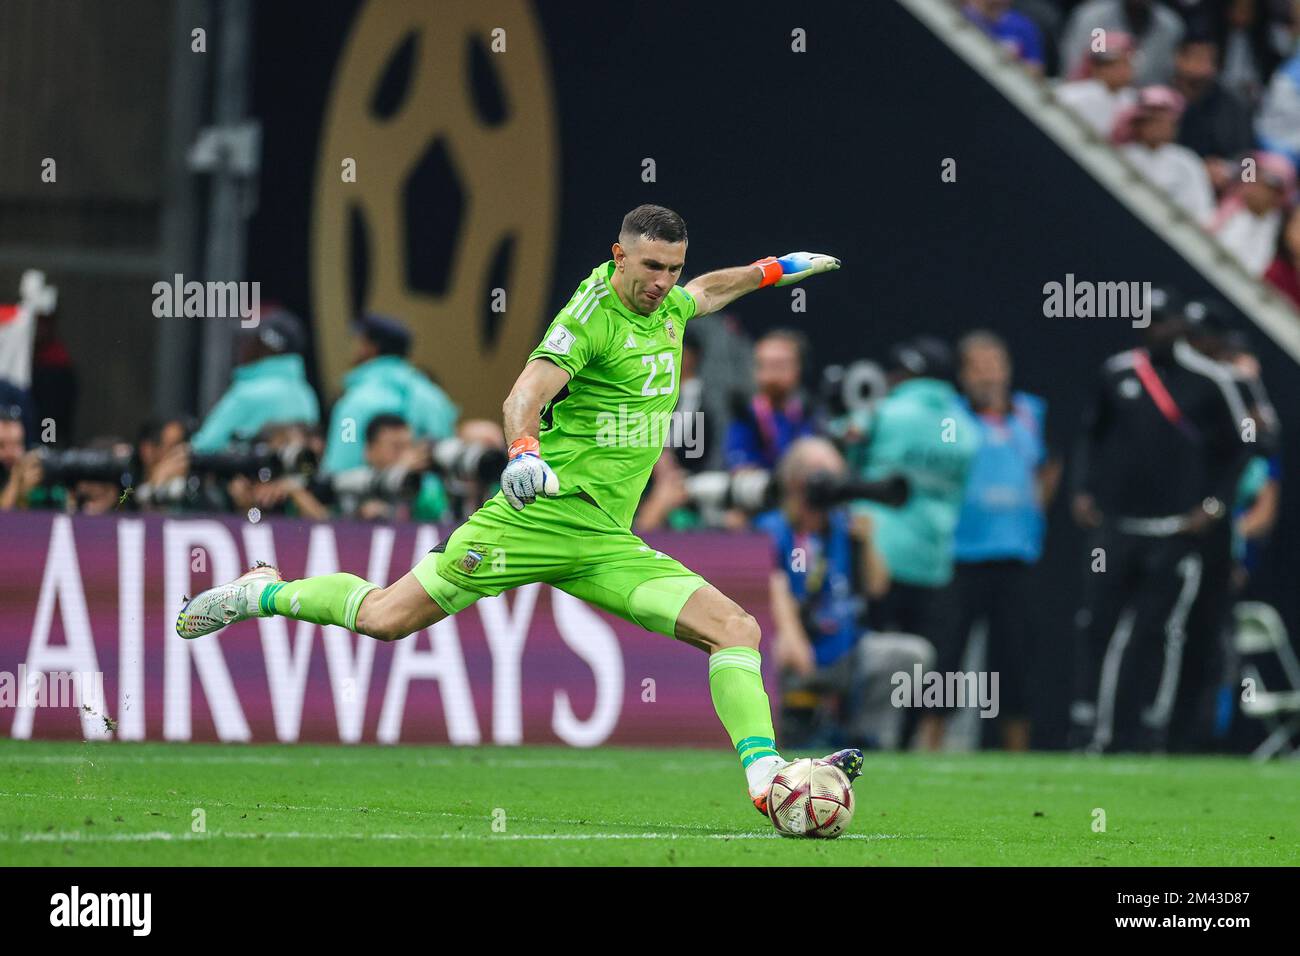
(1106, 85)
(1145, 135)
(1251, 214)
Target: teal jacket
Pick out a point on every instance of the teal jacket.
(387, 385)
(922, 431)
(272, 390)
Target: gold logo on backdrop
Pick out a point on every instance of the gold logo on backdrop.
(450, 224)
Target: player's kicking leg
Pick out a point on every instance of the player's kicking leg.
(715, 623)
(386, 614)
(730, 636)
(447, 580)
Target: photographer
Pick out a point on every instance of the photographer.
(162, 456)
(390, 446)
(849, 395)
(826, 567)
(88, 480)
(20, 470)
(468, 488)
(95, 478)
(268, 473)
(922, 431)
(295, 449)
(404, 479)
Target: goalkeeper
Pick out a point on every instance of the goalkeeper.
(568, 494)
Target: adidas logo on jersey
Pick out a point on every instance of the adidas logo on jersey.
(630, 343)
(583, 305)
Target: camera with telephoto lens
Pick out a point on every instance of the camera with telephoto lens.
(354, 485)
(750, 490)
(256, 460)
(753, 490)
(826, 490)
(450, 458)
(114, 466)
(468, 461)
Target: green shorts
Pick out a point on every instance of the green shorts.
(568, 543)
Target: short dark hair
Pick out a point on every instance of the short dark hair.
(389, 336)
(654, 222)
(382, 421)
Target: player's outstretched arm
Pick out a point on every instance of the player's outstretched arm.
(716, 290)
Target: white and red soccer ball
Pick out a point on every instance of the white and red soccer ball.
(810, 798)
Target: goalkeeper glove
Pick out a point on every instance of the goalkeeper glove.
(526, 475)
(794, 266)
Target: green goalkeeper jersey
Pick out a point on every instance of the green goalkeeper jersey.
(604, 430)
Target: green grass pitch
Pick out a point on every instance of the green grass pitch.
(83, 804)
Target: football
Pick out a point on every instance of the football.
(811, 798)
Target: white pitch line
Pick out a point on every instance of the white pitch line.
(107, 758)
(1099, 765)
(1103, 765)
(268, 807)
(162, 836)
(492, 763)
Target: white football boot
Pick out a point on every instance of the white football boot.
(216, 607)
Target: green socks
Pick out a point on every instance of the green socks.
(326, 599)
(736, 683)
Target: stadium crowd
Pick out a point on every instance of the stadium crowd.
(1201, 96)
(904, 500)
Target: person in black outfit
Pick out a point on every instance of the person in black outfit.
(1157, 466)
(1216, 124)
(1208, 646)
